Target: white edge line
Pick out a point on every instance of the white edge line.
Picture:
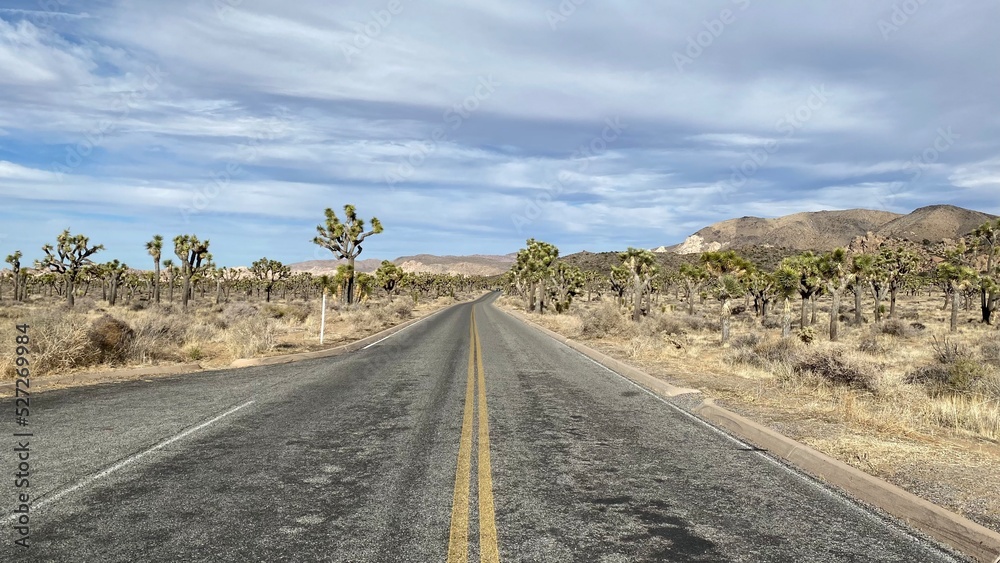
(129, 460)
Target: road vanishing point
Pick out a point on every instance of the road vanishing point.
(468, 436)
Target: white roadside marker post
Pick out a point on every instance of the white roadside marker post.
(322, 322)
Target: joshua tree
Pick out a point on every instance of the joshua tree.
(15, 265)
(194, 257)
(957, 277)
(728, 269)
(344, 239)
(834, 267)
(693, 278)
(986, 241)
(641, 266)
(786, 285)
(270, 272)
(619, 282)
(388, 277)
(155, 249)
(567, 282)
(114, 272)
(68, 258)
(532, 266)
(861, 268)
(761, 286)
(897, 264)
(171, 271)
(342, 277)
(810, 284)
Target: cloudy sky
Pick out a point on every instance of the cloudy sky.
(467, 127)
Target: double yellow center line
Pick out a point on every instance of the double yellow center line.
(458, 546)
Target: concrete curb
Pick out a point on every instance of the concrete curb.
(968, 537)
(96, 376)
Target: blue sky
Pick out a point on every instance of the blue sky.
(467, 127)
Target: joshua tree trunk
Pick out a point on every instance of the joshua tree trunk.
(954, 310)
(858, 318)
(637, 298)
(834, 314)
(186, 296)
(156, 283)
(726, 318)
(892, 302)
(70, 293)
(803, 321)
(541, 297)
(786, 319)
(350, 283)
(812, 307)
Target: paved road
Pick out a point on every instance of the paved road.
(399, 453)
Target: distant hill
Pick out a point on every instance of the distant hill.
(475, 265)
(934, 223)
(826, 230)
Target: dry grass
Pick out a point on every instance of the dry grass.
(94, 336)
(876, 399)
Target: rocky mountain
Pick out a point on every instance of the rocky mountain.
(934, 223)
(825, 230)
(475, 265)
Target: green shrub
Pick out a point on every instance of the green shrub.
(807, 334)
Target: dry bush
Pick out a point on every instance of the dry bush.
(400, 308)
(807, 334)
(698, 322)
(839, 368)
(895, 327)
(964, 376)
(112, 338)
(156, 337)
(60, 341)
(662, 324)
(765, 353)
(362, 319)
(234, 312)
(873, 343)
(607, 320)
(948, 351)
(292, 313)
(249, 337)
(989, 349)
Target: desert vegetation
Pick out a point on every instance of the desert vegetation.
(883, 354)
(89, 314)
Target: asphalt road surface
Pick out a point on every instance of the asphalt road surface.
(466, 437)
